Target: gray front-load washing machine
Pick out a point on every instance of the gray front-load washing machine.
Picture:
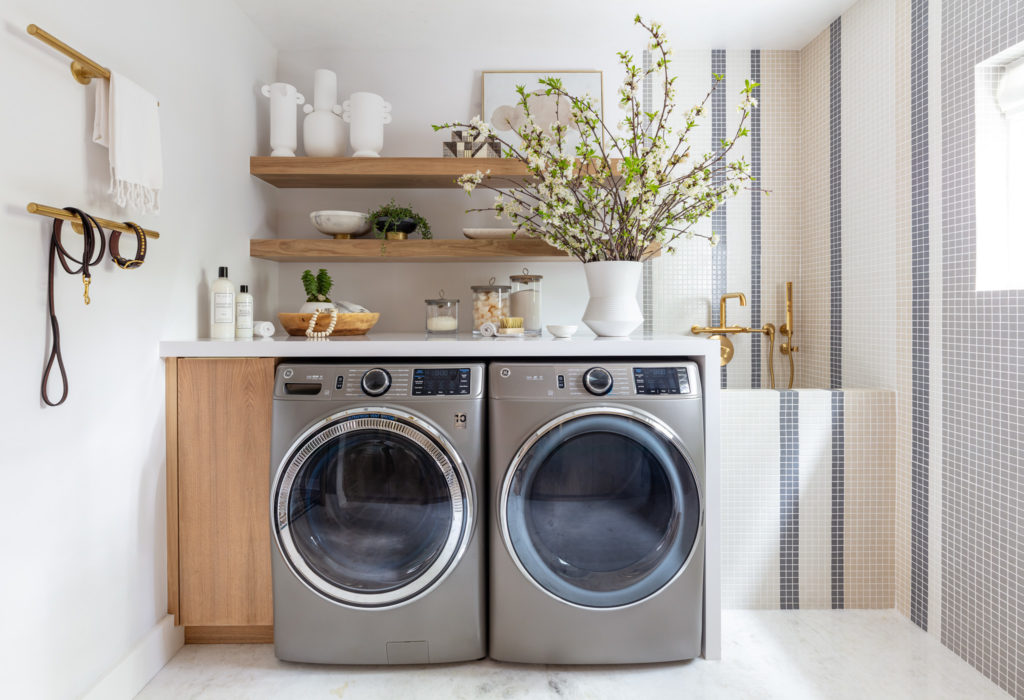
(597, 548)
(377, 553)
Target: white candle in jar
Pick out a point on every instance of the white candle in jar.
(442, 323)
(526, 305)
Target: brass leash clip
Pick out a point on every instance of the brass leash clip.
(86, 280)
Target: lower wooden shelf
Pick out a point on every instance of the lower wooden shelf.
(373, 250)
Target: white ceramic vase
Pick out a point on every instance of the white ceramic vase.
(323, 131)
(366, 114)
(613, 309)
(283, 121)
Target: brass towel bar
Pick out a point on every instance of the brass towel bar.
(83, 68)
(55, 213)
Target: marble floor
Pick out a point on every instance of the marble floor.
(767, 654)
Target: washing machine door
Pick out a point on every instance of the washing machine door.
(601, 507)
(372, 507)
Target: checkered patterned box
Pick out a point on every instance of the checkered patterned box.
(469, 144)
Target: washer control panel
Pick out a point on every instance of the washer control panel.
(661, 380)
(441, 381)
(323, 381)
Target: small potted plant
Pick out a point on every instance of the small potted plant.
(393, 222)
(317, 288)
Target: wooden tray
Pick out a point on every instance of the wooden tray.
(348, 324)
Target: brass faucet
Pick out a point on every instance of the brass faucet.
(722, 331)
(786, 329)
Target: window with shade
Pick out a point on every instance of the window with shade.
(999, 174)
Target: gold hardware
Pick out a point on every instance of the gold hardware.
(84, 69)
(54, 213)
(786, 329)
(728, 349)
(86, 281)
(721, 304)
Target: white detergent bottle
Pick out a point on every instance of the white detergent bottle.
(222, 307)
(243, 314)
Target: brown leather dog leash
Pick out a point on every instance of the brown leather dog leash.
(90, 257)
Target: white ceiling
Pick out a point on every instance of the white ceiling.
(536, 24)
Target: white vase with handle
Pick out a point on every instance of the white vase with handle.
(613, 309)
(366, 113)
(283, 120)
(323, 131)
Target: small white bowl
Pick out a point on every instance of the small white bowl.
(562, 331)
(353, 223)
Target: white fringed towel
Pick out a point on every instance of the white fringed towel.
(127, 122)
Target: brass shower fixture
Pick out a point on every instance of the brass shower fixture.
(722, 332)
(787, 348)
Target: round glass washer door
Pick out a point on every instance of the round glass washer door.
(601, 507)
(372, 508)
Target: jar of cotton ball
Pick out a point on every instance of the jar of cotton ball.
(526, 300)
(490, 304)
(442, 315)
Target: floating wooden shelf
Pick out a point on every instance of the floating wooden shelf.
(425, 173)
(374, 250)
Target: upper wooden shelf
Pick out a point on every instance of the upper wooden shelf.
(378, 172)
(414, 250)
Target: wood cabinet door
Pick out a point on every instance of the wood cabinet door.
(223, 444)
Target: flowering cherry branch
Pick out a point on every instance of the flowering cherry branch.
(616, 195)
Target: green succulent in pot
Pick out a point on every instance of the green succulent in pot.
(397, 222)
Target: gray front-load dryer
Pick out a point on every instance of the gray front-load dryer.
(377, 552)
(597, 546)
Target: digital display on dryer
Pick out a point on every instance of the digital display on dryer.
(660, 380)
(440, 381)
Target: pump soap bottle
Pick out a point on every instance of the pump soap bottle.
(222, 307)
(243, 314)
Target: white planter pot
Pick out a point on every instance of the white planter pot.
(323, 131)
(311, 306)
(367, 114)
(283, 120)
(613, 309)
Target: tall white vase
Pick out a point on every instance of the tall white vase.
(367, 114)
(613, 309)
(283, 120)
(323, 131)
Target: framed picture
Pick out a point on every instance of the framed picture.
(500, 101)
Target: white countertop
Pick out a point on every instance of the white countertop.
(464, 345)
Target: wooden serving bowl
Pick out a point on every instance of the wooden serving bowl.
(348, 324)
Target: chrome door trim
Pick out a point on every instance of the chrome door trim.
(445, 458)
(644, 417)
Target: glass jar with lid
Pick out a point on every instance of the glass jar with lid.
(442, 315)
(525, 300)
(490, 304)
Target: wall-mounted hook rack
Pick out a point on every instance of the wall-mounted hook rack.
(55, 213)
(83, 68)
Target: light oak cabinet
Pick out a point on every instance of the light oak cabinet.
(218, 495)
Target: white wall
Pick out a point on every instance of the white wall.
(82, 530)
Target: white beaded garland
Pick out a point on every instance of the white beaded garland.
(310, 333)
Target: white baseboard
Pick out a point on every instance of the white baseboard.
(139, 665)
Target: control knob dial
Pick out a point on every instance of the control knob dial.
(598, 381)
(376, 382)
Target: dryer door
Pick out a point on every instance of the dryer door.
(372, 507)
(601, 507)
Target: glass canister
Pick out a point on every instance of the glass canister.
(490, 304)
(442, 315)
(525, 302)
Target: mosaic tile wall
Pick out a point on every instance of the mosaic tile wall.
(780, 509)
(982, 398)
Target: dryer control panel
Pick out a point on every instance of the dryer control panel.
(595, 381)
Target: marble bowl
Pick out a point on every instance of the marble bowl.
(340, 224)
(562, 331)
